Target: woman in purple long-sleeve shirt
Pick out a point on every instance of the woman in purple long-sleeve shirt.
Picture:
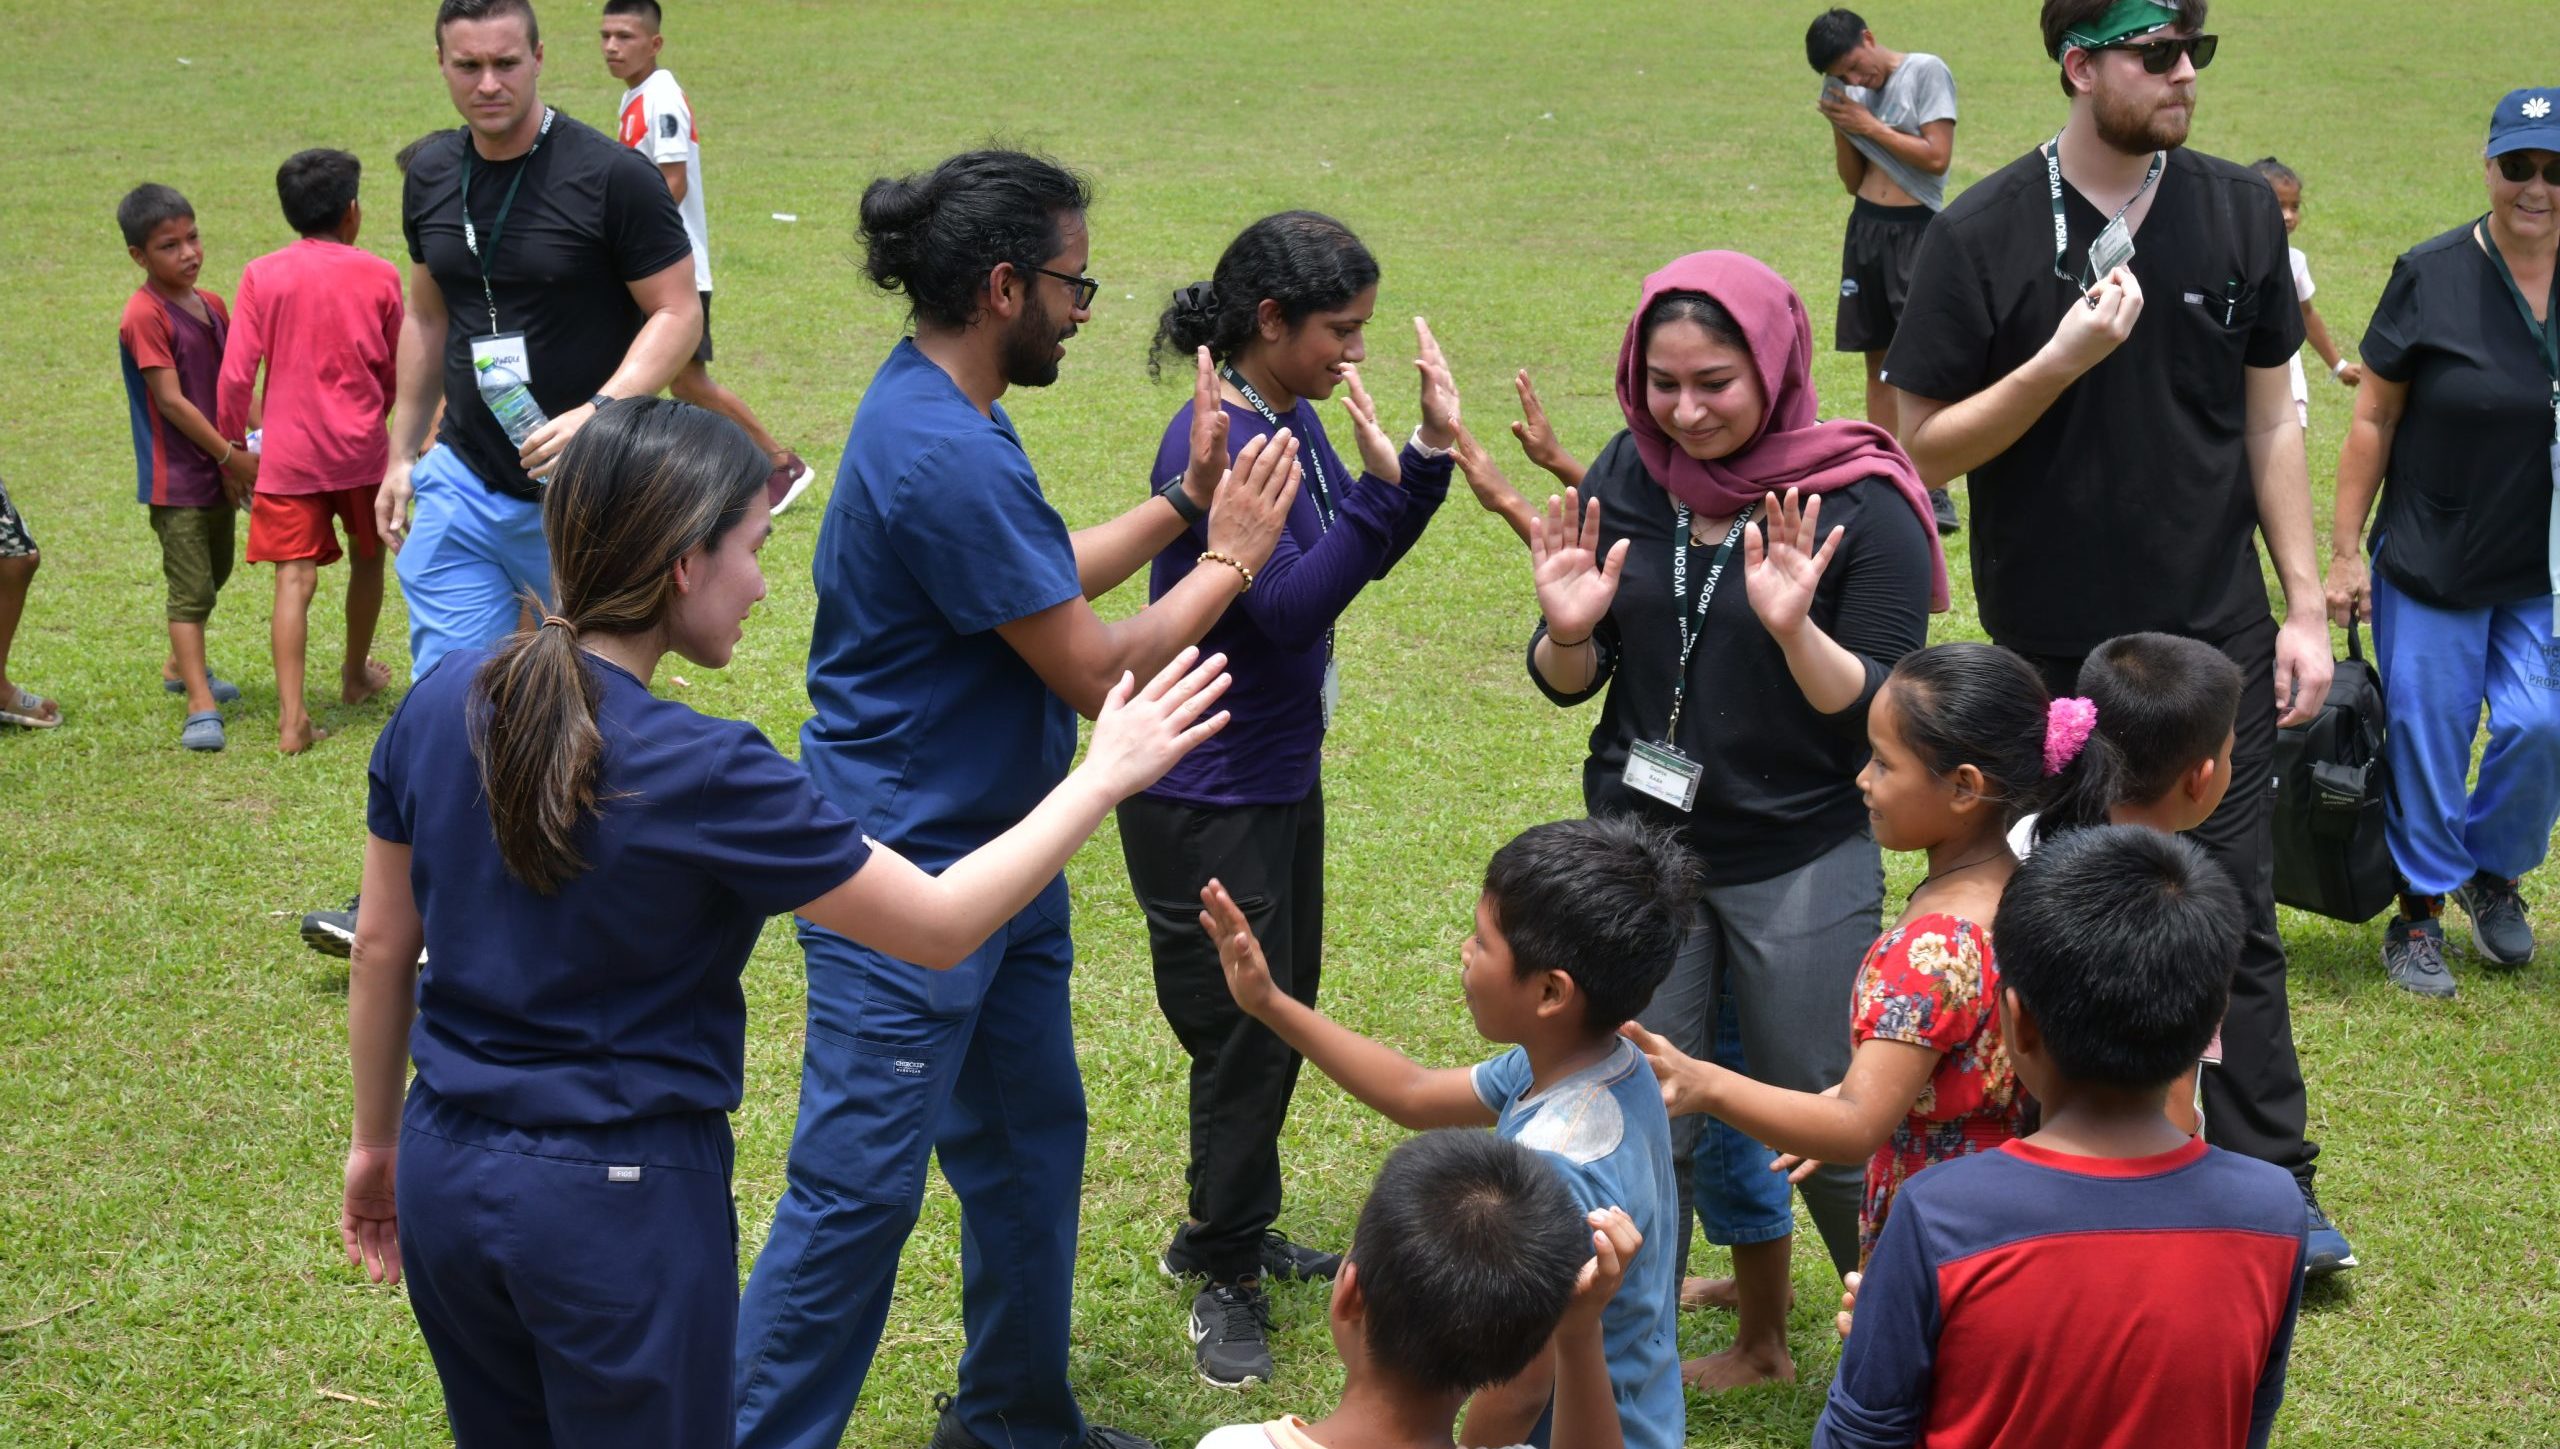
(1283, 317)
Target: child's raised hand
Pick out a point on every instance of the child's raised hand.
(1239, 954)
(1614, 1244)
(1848, 1302)
(1682, 1075)
(1378, 456)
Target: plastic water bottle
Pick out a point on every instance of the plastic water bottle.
(509, 400)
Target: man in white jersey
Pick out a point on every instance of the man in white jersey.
(657, 121)
(1893, 133)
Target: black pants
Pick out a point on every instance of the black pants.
(2254, 1102)
(1271, 859)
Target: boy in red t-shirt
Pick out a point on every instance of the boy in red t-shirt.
(324, 318)
(170, 340)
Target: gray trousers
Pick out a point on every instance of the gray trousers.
(1787, 950)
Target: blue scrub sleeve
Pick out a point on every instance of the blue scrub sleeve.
(973, 527)
(385, 806)
(764, 831)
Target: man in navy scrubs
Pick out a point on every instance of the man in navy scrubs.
(952, 650)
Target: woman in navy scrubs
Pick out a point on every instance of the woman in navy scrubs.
(591, 866)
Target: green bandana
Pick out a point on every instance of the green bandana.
(2122, 20)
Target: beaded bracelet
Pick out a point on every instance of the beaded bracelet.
(1213, 556)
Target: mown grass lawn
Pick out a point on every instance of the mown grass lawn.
(172, 1090)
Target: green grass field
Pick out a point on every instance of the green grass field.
(173, 1098)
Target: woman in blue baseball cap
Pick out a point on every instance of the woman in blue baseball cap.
(2458, 423)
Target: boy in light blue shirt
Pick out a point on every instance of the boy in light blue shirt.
(1576, 926)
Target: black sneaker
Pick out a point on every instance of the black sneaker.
(1283, 1260)
(947, 1433)
(2326, 1250)
(2499, 931)
(2413, 955)
(331, 933)
(1231, 1334)
(1945, 509)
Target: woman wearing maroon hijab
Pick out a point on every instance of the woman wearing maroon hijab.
(1734, 578)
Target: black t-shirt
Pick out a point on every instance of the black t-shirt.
(2466, 497)
(592, 216)
(2128, 506)
(1780, 780)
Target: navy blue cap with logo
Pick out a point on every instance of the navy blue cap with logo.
(2525, 120)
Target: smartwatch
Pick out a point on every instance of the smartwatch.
(1175, 494)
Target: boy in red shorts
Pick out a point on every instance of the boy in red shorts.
(324, 319)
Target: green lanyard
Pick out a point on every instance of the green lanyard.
(2546, 333)
(498, 223)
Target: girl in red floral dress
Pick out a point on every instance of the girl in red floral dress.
(1964, 741)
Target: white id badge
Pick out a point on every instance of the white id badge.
(2112, 249)
(1664, 773)
(1332, 691)
(507, 350)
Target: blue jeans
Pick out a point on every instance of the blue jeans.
(977, 1067)
(471, 554)
(2439, 667)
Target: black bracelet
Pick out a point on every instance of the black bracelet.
(1175, 494)
(1561, 644)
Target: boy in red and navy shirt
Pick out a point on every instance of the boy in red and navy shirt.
(324, 320)
(2108, 1280)
(171, 339)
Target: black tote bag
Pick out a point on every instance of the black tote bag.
(2332, 791)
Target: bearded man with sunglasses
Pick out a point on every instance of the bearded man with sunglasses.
(2097, 334)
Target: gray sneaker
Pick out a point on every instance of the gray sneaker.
(1231, 1334)
(2413, 954)
(2499, 931)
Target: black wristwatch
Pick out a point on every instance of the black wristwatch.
(600, 399)
(1175, 494)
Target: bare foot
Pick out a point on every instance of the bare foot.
(364, 683)
(292, 740)
(1697, 1293)
(1734, 1367)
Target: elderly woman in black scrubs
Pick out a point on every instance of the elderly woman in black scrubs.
(2458, 424)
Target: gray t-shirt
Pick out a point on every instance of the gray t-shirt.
(1919, 91)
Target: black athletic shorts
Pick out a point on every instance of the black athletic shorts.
(702, 349)
(1875, 273)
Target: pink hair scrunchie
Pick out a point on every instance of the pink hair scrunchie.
(2067, 723)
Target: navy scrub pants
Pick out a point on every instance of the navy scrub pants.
(976, 1066)
(575, 1285)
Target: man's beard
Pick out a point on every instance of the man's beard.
(2140, 129)
(1030, 347)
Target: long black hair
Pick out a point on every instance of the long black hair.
(936, 235)
(1303, 261)
(1981, 705)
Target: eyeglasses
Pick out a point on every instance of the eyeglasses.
(2159, 57)
(1084, 288)
(2518, 168)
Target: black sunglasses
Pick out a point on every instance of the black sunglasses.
(2159, 57)
(1084, 287)
(2518, 167)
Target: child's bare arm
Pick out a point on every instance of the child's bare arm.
(1504, 1413)
(2318, 331)
(1586, 1410)
(1846, 1124)
(1384, 1079)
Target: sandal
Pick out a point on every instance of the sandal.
(31, 710)
(203, 730)
(224, 691)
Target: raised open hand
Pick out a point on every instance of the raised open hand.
(1239, 954)
(1538, 436)
(1208, 435)
(1575, 584)
(1141, 732)
(1377, 451)
(1253, 499)
(1491, 486)
(1783, 557)
(1439, 389)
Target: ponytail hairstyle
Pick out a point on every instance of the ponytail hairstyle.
(1303, 261)
(1980, 705)
(936, 236)
(644, 483)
